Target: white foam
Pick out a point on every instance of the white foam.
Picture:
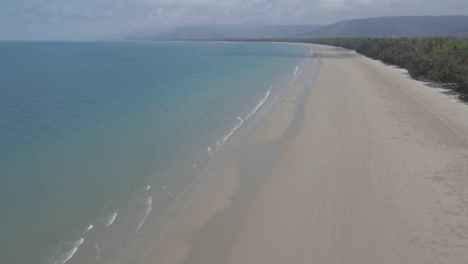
(69, 254)
(90, 227)
(296, 71)
(148, 187)
(98, 251)
(218, 145)
(249, 115)
(148, 208)
(209, 151)
(109, 220)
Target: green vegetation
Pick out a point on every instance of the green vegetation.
(442, 60)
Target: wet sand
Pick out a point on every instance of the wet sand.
(357, 163)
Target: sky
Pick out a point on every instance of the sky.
(97, 19)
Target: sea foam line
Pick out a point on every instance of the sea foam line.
(65, 257)
(62, 259)
(98, 251)
(241, 121)
(296, 71)
(110, 219)
(219, 144)
(148, 208)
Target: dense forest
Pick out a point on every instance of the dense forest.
(443, 60)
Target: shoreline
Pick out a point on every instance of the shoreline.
(128, 230)
(163, 209)
(361, 178)
(221, 189)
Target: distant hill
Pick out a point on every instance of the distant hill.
(403, 26)
(463, 33)
(409, 26)
(245, 31)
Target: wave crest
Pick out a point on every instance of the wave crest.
(63, 258)
(242, 120)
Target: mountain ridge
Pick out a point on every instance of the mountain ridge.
(396, 26)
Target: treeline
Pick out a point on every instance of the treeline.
(442, 60)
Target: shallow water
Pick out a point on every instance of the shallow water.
(97, 137)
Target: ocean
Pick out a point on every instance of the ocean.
(98, 139)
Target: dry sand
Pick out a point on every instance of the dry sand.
(374, 170)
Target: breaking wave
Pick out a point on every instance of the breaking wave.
(242, 120)
(63, 258)
(148, 208)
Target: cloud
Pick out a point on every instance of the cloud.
(347, 4)
(85, 18)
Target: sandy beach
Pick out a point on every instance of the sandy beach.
(357, 163)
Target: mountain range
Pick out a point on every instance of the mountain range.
(401, 26)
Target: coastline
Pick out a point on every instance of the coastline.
(216, 190)
(129, 162)
(370, 169)
(161, 206)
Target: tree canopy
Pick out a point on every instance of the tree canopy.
(442, 60)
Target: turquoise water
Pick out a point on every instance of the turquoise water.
(97, 137)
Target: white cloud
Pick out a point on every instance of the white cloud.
(108, 16)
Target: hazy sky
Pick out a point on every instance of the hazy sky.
(85, 19)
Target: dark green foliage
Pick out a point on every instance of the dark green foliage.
(443, 60)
